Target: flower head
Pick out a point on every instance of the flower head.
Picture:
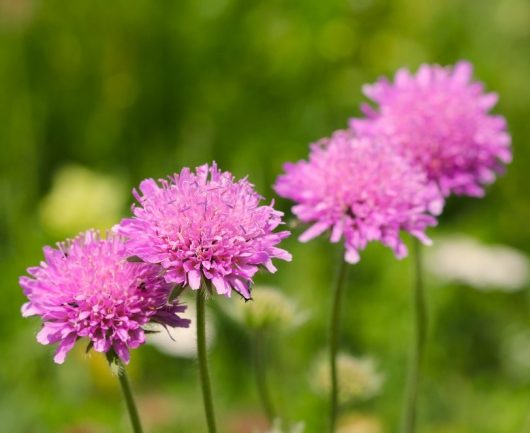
(204, 224)
(362, 191)
(359, 378)
(270, 309)
(87, 288)
(439, 119)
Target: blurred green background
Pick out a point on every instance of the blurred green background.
(96, 96)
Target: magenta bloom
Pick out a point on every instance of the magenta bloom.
(204, 224)
(360, 190)
(439, 119)
(87, 288)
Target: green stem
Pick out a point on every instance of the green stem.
(258, 342)
(203, 360)
(129, 399)
(334, 342)
(420, 331)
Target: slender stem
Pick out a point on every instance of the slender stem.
(203, 360)
(129, 399)
(334, 342)
(258, 343)
(416, 357)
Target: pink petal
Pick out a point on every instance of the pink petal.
(194, 279)
(64, 347)
(314, 231)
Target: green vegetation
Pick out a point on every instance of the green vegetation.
(135, 89)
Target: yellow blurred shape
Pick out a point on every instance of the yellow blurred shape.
(98, 367)
(81, 199)
(359, 423)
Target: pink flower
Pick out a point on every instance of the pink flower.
(439, 119)
(360, 190)
(87, 288)
(204, 224)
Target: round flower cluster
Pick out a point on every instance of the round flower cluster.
(87, 288)
(270, 309)
(204, 224)
(359, 378)
(439, 120)
(360, 190)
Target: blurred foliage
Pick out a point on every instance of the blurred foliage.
(131, 89)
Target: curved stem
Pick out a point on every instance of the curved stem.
(203, 360)
(334, 342)
(258, 343)
(420, 331)
(128, 396)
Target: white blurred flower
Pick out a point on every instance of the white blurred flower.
(181, 342)
(358, 378)
(80, 199)
(269, 309)
(466, 260)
